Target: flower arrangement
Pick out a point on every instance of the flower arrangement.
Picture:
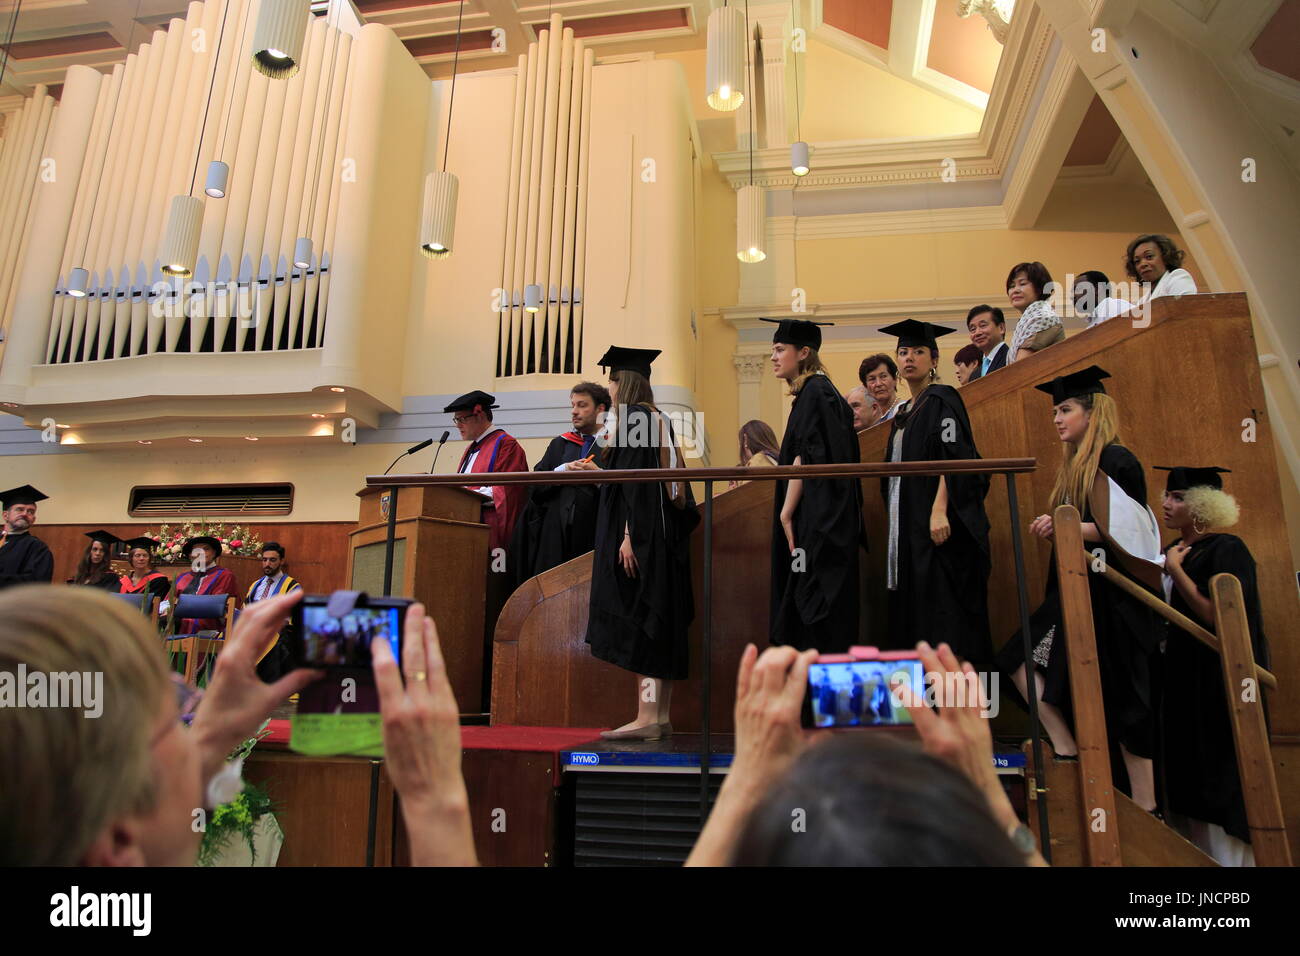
(238, 816)
(239, 540)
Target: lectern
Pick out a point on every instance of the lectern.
(440, 555)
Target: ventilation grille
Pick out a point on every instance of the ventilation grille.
(637, 819)
(210, 500)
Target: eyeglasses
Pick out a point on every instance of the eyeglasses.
(462, 419)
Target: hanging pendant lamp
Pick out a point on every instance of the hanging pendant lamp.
(725, 66)
(751, 217)
(181, 241)
(438, 221)
(279, 36)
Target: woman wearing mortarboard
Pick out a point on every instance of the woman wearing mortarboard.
(1106, 483)
(140, 578)
(1202, 783)
(641, 600)
(817, 522)
(937, 562)
(95, 569)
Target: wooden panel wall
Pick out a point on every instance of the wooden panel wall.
(316, 552)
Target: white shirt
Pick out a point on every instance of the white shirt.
(266, 586)
(1174, 282)
(469, 462)
(1108, 308)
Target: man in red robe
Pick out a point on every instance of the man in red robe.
(490, 449)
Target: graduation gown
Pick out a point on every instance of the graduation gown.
(1200, 757)
(816, 604)
(559, 521)
(216, 580)
(937, 593)
(25, 560)
(640, 623)
(1126, 632)
(109, 582)
(498, 451)
(155, 582)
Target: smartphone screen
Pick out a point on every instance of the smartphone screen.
(327, 641)
(856, 693)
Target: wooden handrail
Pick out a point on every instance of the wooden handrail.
(883, 469)
(1096, 790)
(1181, 621)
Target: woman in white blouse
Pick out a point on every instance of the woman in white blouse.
(1155, 261)
(1029, 289)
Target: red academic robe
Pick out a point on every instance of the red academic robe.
(217, 581)
(499, 452)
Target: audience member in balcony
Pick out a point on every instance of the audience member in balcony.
(24, 558)
(95, 569)
(862, 799)
(490, 449)
(204, 577)
(141, 578)
(1156, 262)
(559, 521)
(988, 332)
(1106, 482)
(817, 524)
(641, 601)
(879, 374)
(864, 408)
(937, 555)
(965, 362)
(1202, 784)
(1029, 290)
(1093, 298)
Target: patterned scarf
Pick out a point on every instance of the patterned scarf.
(1037, 318)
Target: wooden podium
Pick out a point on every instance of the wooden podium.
(440, 554)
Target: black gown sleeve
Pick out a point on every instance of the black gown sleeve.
(1122, 467)
(37, 563)
(1231, 556)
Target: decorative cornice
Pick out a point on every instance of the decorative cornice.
(889, 223)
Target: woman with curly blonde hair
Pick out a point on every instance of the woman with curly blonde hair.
(1201, 779)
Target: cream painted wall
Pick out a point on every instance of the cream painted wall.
(834, 79)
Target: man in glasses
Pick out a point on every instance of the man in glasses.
(490, 449)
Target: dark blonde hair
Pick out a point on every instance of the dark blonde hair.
(69, 775)
(808, 367)
(1079, 463)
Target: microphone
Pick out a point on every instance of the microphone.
(441, 441)
(410, 451)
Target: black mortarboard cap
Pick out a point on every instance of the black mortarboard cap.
(149, 544)
(22, 495)
(798, 332)
(103, 537)
(470, 399)
(1083, 382)
(1182, 477)
(620, 359)
(199, 539)
(914, 334)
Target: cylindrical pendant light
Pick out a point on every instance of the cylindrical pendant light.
(438, 222)
(725, 66)
(302, 252)
(181, 241)
(799, 158)
(751, 215)
(218, 176)
(278, 37)
(532, 298)
(77, 283)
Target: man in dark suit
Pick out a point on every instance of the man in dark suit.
(988, 330)
(24, 558)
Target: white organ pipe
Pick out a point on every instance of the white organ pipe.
(571, 202)
(580, 240)
(550, 132)
(521, 226)
(535, 194)
(505, 318)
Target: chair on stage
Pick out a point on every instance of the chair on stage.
(144, 602)
(194, 654)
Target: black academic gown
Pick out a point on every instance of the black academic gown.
(1126, 631)
(25, 560)
(815, 595)
(559, 521)
(942, 592)
(1200, 757)
(640, 623)
(112, 583)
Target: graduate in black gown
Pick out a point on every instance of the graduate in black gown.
(937, 562)
(24, 558)
(96, 566)
(559, 521)
(141, 577)
(816, 523)
(1106, 482)
(641, 600)
(1202, 783)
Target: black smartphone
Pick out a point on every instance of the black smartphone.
(853, 690)
(322, 640)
